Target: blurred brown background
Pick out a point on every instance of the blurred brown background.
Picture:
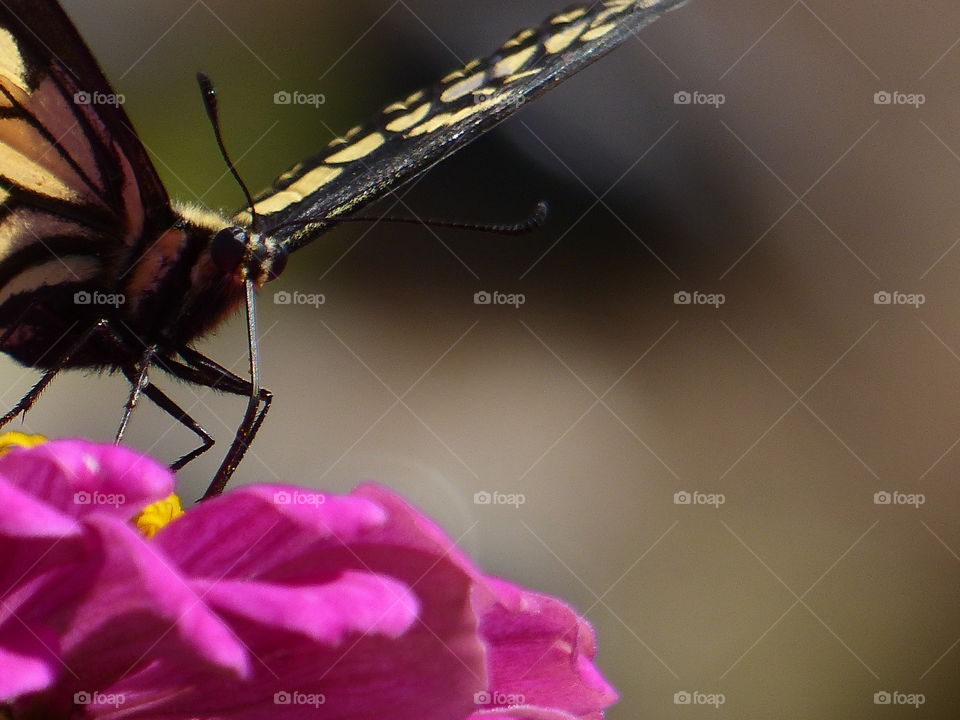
(797, 199)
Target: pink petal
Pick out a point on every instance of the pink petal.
(79, 478)
(247, 532)
(25, 515)
(140, 607)
(28, 660)
(540, 649)
(356, 602)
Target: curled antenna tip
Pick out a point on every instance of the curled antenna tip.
(540, 213)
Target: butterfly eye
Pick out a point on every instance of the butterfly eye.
(228, 248)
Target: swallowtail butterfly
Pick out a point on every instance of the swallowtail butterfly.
(84, 214)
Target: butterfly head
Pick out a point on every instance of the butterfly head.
(247, 254)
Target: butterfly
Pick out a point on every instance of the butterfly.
(101, 270)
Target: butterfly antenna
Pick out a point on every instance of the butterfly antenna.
(209, 95)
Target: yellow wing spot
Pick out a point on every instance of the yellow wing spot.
(511, 64)
(518, 39)
(472, 65)
(359, 149)
(353, 132)
(405, 122)
(455, 75)
(560, 41)
(597, 32)
(21, 170)
(395, 107)
(454, 118)
(568, 17)
(617, 7)
(415, 98)
(291, 173)
(464, 87)
(312, 181)
(520, 76)
(11, 61)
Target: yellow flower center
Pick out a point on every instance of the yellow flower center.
(153, 517)
(14, 440)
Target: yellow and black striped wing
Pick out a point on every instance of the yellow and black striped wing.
(409, 136)
(77, 188)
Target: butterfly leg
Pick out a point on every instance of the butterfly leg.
(163, 401)
(211, 374)
(27, 401)
(140, 383)
(137, 387)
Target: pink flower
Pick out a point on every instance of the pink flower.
(268, 602)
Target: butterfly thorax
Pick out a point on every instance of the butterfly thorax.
(203, 262)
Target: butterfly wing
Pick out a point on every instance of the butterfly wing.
(78, 194)
(408, 137)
